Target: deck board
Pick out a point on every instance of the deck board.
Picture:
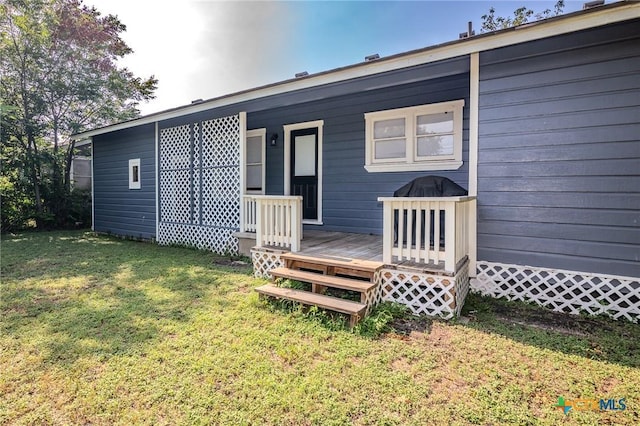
(348, 246)
(342, 245)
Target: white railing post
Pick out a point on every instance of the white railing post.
(250, 214)
(472, 236)
(296, 224)
(259, 224)
(387, 231)
(458, 226)
(278, 221)
(450, 236)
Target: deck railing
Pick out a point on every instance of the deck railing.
(431, 230)
(276, 220)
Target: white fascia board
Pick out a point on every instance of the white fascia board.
(616, 12)
(82, 142)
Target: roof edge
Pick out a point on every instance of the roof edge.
(580, 20)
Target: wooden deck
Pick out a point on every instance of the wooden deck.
(341, 245)
(348, 246)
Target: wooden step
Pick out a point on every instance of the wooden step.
(323, 280)
(355, 310)
(332, 266)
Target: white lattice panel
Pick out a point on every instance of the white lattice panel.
(373, 297)
(264, 262)
(175, 196)
(425, 293)
(220, 197)
(219, 240)
(221, 142)
(197, 176)
(175, 147)
(563, 291)
(200, 184)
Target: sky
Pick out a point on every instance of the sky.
(204, 49)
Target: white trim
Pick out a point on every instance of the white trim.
(569, 23)
(242, 118)
(262, 133)
(414, 167)
(83, 142)
(135, 184)
(71, 182)
(288, 128)
(93, 198)
(411, 161)
(157, 178)
(474, 109)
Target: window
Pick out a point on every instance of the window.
(134, 173)
(426, 137)
(254, 161)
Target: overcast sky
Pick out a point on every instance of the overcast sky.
(204, 49)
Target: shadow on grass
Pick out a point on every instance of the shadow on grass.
(597, 338)
(73, 294)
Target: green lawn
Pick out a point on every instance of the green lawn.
(96, 330)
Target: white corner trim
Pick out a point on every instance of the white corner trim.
(474, 102)
(93, 190)
(156, 162)
(474, 96)
(525, 33)
(288, 128)
(242, 118)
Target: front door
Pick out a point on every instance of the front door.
(304, 170)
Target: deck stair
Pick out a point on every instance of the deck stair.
(325, 273)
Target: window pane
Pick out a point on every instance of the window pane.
(435, 145)
(254, 149)
(434, 123)
(388, 128)
(254, 177)
(392, 148)
(305, 155)
(135, 174)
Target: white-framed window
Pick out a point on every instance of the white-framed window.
(255, 152)
(425, 137)
(134, 174)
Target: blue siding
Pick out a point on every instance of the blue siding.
(350, 192)
(118, 209)
(559, 161)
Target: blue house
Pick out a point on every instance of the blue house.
(540, 124)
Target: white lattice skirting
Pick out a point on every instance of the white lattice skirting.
(563, 291)
(425, 293)
(264, 261)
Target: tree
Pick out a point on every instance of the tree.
(490, 22)
(59, 75)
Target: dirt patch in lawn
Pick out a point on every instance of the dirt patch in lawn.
(411, 326)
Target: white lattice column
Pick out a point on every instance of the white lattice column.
(200, 183)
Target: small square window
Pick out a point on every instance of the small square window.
(134, 174)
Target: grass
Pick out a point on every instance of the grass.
(96, 330)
